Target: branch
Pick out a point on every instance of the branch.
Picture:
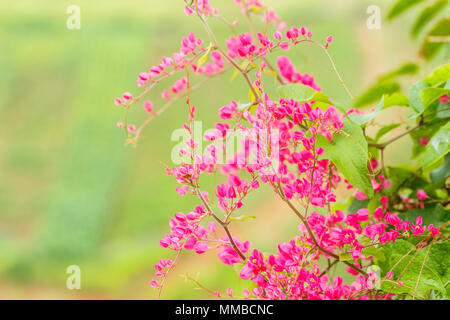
(222, 224)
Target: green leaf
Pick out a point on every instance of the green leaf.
(443, 110)
(438, 75)
(438, 146)
(400, 7)
(430, 95)
(386, 130)
(348, 151)
(431, 214)
(375, 93)
(205, 57)
(398, 177)
(394, 99)
(442, 173)
(431, 44)
(407, 68)
(345, 256)
(242, 218)
(426, 15)
(377, 253)
(414, 96)
(434, 268)
(425, 131)
(356, 205)
(297, 92)
(243, 66)
(251, 95)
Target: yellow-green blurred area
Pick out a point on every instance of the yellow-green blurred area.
(71, 193)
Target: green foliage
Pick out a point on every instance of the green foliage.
(440, 174)
(296, 92)
(385, 130)
(375, 92)
(439, 75)
(420, 270)
(435, 39)
(434, 14)
(427, 14)
(401, 6)
(414, 96)
(395, 99)
(387, 86)
(432, 213)
(348, 151)
(438, 146)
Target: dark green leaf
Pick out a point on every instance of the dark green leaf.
(442, 173)
(438, 146)
(431, 214)
(434, 268)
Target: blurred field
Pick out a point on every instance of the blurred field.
(71, 193)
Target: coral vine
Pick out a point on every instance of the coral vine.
(300, 174)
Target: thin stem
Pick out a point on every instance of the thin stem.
(421, 270)
(385, 144)
(229, 59)
(313, 238)
(222, 224)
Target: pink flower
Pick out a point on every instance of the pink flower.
(444, 98)
(421, 194)
(418, 229)
(182, 190)
(378, 213)
(434, 231)
(360, 195)
(148, 106)
(127, 96)
(117, 101)
(212, 227)
(424, 140)
(188, 11)
(166, 95)
(228, 255)
(277, 35)
(362, 214)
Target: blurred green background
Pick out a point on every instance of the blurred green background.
(71, 193)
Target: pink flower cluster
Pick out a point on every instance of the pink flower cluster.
(287, 71)
(278, 150)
